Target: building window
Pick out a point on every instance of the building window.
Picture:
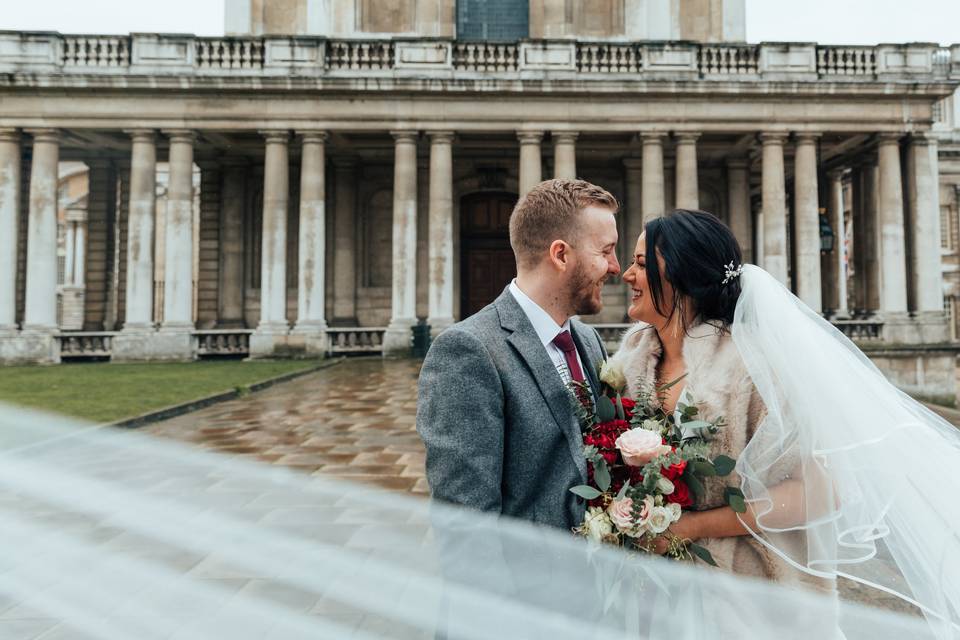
(493, 20)
(946, 237)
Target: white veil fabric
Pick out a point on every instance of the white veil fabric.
(118, 535)
(847, 476)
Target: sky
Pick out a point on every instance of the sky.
(825, 21)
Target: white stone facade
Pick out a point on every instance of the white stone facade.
(350, 188)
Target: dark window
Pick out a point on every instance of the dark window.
(493, 20)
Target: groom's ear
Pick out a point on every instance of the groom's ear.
(559, 255)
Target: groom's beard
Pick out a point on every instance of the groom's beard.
(581, 294)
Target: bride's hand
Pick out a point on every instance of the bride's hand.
(684, 528)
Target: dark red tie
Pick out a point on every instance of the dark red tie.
(564, 342)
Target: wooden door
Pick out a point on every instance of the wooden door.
(487, 264)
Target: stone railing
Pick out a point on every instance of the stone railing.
(183, 56)
(85, 344)
(223, 342)
(729, 60)
(861, 330)
(485, 56)
(359, 55)
(347, 340)
(96, 51)
(846, 61)
(229, 53)
(603, 57)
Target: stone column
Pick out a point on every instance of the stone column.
(835, 279)
(653, 197)
(632, 212)
(143, 188)
(40, 309)
(345, 242)
(893, 276)
(870, 203)
(775, 255)
(9, 227)
(311, 291)
(806, 272)
(687, 186)
(441, 231)
(397, 339)
(738, 202)
(924, 181)
(530, 170)
(80, 254)
(232, 205)
(565, 154)
(273, 328)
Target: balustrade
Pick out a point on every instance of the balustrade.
(347, 340)
(485, 56)
(359, 55)
(85, 344)
(223, 342)
(229, 53)
(96, 51)
(846, 61)
(608, 58)
(729, 59)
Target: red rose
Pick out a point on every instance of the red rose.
(674, 471)
(681, 494)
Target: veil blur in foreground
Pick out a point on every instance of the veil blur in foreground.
(117, 535)
(848, 475)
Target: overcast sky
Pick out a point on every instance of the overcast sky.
(826, 21)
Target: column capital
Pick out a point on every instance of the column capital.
(275, 136)
(652, 137)
(44, 135)
(141, 135)
(180, 135)
(441, 136)
(889, 137)
(806, 137)
(686, 137)
(837, 174)
(923, 138)
(738, 162)
(408, 136)
(9, 135)
(530, 137)
(773, 137)
(313, 135)
(564, 136)
(633, 164)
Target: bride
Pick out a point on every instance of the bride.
(844, 475)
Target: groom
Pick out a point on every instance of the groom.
(494, 407)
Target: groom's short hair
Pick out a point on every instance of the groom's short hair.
(551, 211)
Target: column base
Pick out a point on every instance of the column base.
(145, 345)
(36, 347)
(438, 325)
(922, 328)
(310, 337)
(271, 340)
(398, 338)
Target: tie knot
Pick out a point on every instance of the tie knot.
(564, 342)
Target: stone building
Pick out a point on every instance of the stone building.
(331, 173)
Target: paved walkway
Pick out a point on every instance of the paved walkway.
(355, 420)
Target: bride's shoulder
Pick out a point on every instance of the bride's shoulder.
(640, 337)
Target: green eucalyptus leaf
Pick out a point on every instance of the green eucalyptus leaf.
(621, 414)
(623, 490)
(601, 474)
(703, 468)
(724, 465)
(605, 409)
(737, 503)
(696, 424)
(695, 485)
(702, 553)
(586, 492)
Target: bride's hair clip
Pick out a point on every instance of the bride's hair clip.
(732, 271)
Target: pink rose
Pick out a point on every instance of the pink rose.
(621, 514)
(639, 446)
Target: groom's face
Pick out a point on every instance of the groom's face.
(595, 260)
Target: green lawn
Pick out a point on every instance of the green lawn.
(105, 392)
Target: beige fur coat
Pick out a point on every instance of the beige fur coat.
(719, 385)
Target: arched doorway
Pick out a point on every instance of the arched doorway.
(487, 263)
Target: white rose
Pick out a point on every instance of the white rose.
(611, 372)
(640, 446)
(675, 511)
(598, 524)
(660, 518)
(665, 486)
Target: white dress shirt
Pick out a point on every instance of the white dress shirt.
(547, 329)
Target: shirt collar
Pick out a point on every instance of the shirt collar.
(545, 326)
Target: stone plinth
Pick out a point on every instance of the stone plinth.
(140, 346)
(29, 347)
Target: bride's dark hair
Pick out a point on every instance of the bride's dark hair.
(696, 248)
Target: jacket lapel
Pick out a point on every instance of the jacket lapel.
(523, 338)
(589, 355)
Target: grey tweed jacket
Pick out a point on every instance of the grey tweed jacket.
(497, 420)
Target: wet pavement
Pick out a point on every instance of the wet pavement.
(355, 420)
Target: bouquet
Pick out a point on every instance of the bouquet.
(644, 466)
